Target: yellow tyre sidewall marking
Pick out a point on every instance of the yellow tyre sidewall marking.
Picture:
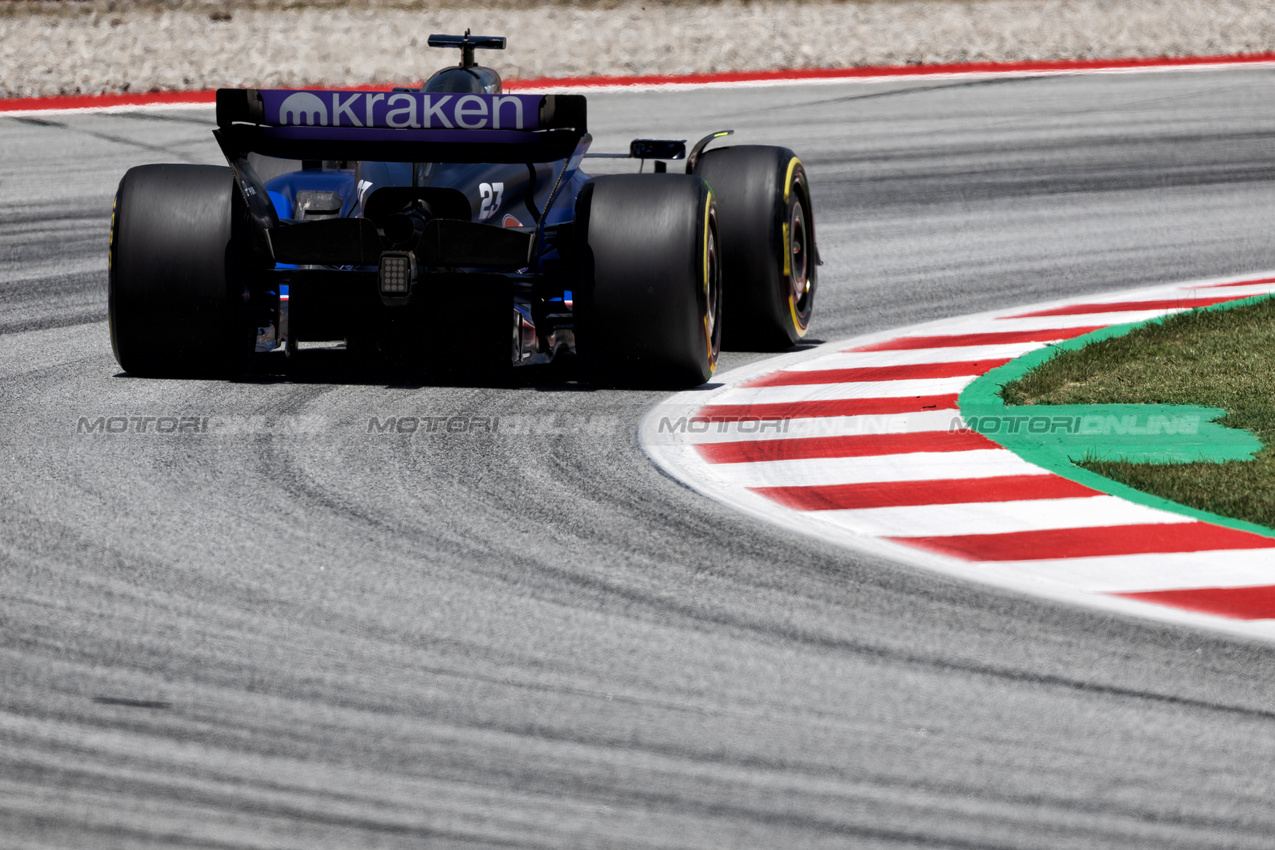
(792, 300)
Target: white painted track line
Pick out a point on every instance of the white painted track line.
(927, 466)
(955, 354)
(858, 389)
(993, 517)
(1160, 571)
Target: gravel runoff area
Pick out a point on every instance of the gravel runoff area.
(69, 47)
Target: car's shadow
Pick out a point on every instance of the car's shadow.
(338, 366)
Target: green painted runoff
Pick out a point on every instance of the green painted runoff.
(1176, 413)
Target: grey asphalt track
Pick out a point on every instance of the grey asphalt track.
(289, 632)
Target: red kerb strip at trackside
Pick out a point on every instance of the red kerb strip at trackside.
(902, 494)
(909, 372)
(116, 101)
(818, 409)
(1150, 538)
(107, 101)
(909, 343)
(1127, 307)
(857, 445)
(1044, 67)
(1241, 283)
(1238, 603)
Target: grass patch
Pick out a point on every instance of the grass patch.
(1217, 358)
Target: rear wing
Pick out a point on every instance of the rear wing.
(402, 126)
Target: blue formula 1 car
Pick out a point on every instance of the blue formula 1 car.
(452, 226)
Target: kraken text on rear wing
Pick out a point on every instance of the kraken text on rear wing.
(402, 126)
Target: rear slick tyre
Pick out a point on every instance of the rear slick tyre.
(176, 302)
(649, 308)
(768, 244)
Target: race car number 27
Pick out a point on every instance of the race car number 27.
(491, 196)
